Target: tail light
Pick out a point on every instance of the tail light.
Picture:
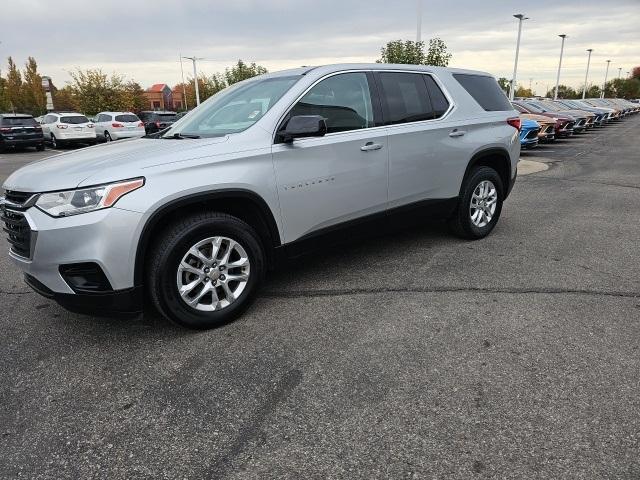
(90, 125)
(158, 124)
(5, 130)
(141, 124)
(515, 122)
(61, 126)
(117, 125)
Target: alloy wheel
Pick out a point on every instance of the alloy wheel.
(483, 203)
(213, 274)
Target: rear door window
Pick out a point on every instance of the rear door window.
(439, 102)
(165, 117)
(127, 118)
(404, 98)
(484, 90)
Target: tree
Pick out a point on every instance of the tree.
(133, 99)
(412, 53)
(4, 104)
(504, 83)
(437, 54)
(13, 87)
(64, 99)
(563, 92)
(593, 91)
(241, 71)
(623, 88)
(635, 72)
(34, 98)
(207, 86)
(407, 52)
(523, 92)
(96, 92)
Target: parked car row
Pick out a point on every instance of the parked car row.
(543, 120)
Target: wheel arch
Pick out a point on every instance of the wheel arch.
(496, 158)
(244, 204)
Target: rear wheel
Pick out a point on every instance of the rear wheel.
(205, 270)
(54, 142)
(107, 136)
(40, 147)
(480, 204)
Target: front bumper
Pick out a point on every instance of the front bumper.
(107, 238)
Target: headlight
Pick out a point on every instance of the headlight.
(73, 202)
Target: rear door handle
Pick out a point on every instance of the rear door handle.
(457, 133)
(370, 146)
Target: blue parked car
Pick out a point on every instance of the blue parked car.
(529, 130)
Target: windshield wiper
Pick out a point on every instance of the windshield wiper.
(182, 136)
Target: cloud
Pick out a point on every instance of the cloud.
(142, 39)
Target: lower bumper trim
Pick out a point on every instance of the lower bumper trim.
(116, 302)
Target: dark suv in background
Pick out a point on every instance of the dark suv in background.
(154, 121)
(20, 130)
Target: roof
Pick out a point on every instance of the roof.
(158, 87)
(16, 115)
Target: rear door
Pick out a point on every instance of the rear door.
(330, 180)
(420, 148)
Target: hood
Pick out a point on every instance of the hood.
(536, 118)
(105, 163)
(577, 113)
(529, 124)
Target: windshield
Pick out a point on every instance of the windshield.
(233, 109)
(534, 107)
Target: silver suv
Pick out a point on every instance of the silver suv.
(270, 168)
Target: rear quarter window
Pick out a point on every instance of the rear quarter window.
(484, 90)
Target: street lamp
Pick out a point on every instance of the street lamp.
(606, 74)
(555, 94)
(419, 22)
(520, 18)
(619, 72)
(586, 75)
(195, 77)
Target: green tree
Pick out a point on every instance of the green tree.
(437, 53)
(564, 91)
(623, 88)
(34, 98)
(593, 91)
(64, 99)
(13, 87)
(4, 104)
(413, 53)
(207, 86)
(241, 71)
(96, 91)
(504, 83)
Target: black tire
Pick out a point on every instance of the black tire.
(40, 147)
(461, 222)
(167, 253)
(107, 136)
(55, 143)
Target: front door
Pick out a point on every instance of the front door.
(342, 176)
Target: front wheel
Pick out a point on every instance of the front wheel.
(205, 270)
(479, 205)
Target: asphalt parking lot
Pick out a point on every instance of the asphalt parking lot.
(408, 356)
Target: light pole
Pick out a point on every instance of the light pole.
(586, 75)
(555, 93)
(619, 72)
(419, 22)
(195, 77)
(606, 74)
(184, 88)
(520, 18)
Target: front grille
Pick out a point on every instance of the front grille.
(532, 134)
(548, 129)
(579, 123)
(19, 232)
(568, 126)
(17, 197)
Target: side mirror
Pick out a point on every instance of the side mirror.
(304, 126)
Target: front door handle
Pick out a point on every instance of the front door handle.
(457, 133)
(370, 146)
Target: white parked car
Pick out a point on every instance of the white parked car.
(115, 125)
(63, 128)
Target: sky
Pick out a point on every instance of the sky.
(142, 39)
